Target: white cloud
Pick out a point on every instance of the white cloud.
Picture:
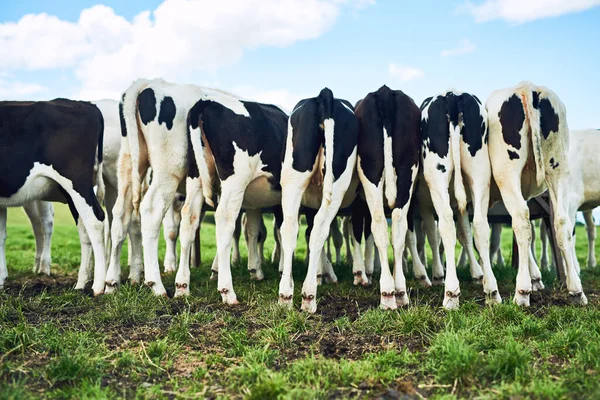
(519, 11)
(405, 73)
(465, 46)
(176, 41)
(19, 90)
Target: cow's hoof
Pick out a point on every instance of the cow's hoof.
(309, 303)
(228, 296)
(328, 278)
(214, 275)
(424, 280)
(537, 284)
(360, 279)
(522, 297)
(98, 290)
(493, 297)
(256, 275)
(438, 280)
(286, 300)
(170, 268)
(578, 299)
(157, 288)
(111, 286)
(478, 279)
(388, 301)
(402, 299)
(451, 299)
(181, 289)
(79, 286)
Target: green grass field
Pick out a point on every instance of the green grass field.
(56, 342)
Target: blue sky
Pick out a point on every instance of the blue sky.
(282, 53)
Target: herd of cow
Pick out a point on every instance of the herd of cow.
(165, 150)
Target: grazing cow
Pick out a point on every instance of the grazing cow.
(529, 141)
(318, 167)
(237, 147)
(50, 151)
(388, 162)
(454, 134)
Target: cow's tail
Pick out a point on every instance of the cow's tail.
(533, 115)
(133, 132)
(326, 100)
(101, 188)
(455, 112)
(197, 163)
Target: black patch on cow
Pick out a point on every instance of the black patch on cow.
(435, 132)
(64, 134)
(513, 155)
(474, 130)
(536, 99)
(553, 164)
(477, 99)
(552, 161)
(425, 103)
(147, 105)
(440, 167)
(122, 117)
(264, 132)
(401, 118)
(512, 117)
(308, 133)
(361, 219)
(548, 118)
(167, 112)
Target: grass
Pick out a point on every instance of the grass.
(59, 343)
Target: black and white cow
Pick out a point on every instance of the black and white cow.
(529, 143)
(318, 167)
(237, 149)
(50, 150)
(454, 134)
(389, 153)
(153, 124)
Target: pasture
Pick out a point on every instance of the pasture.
(59, 343)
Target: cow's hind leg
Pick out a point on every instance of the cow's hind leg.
(237, 233)
(41, 214)
(590, 226)
(171, 223)
(251, 233)
(559, 193)
(190, 220)
(230, 203)
(466, 240)
(152, 210)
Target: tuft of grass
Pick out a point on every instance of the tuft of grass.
(510, 361)
(452, 358)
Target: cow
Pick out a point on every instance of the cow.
(236, 151)
(528, 144)
(389, 153)
(455, 148)
(153, 116)
(317, 171)
(52, 150)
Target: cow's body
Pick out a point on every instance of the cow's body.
(153, 122)
(529, 143)
(318, 167)
(388, 162)
(50, 151)
(454, 129)
(237, 147)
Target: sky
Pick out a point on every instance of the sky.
(280, 51)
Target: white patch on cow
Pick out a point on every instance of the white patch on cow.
(347, 107)
(388, 169)
(226, 100)
(329, 126)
